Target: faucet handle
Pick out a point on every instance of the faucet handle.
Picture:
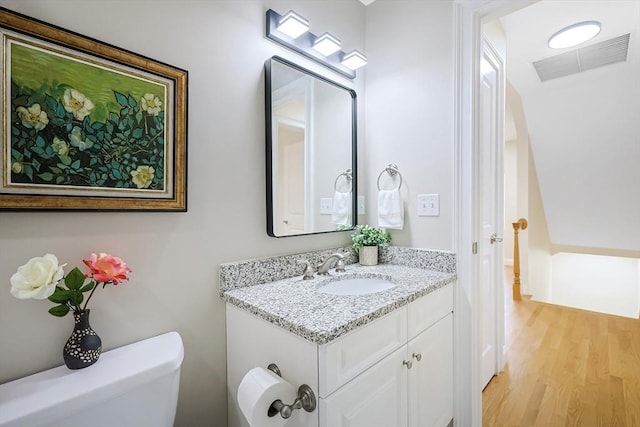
(340, 265)
(308, 270)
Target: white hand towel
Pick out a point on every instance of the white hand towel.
(390, 209)
(341, 213)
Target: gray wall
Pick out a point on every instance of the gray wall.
(174, 256)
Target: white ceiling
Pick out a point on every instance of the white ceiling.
(584, 128)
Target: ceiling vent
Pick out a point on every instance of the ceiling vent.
(583, 59)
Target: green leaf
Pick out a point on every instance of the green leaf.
(59, 179)
(76, 164)
(59, 310)
(88, 287)
(60, 111)
(66, 160)
(60, 296)
(137, 133)
(46, 176)
(132, 102)
(122, 100)
(40, 142)
(74, 279)
(28, 170)
(50, 102)
(77, 298)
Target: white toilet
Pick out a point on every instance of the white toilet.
(131, 386)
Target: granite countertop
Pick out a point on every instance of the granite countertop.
(295, 304)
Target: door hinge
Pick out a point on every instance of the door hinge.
(474, 248)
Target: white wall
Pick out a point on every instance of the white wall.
(174, 256)
(539, 243)
(597, 283)
(409, 110)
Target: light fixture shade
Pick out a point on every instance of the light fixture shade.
(293, 24)
(574, 35)
(327, 44)
(354, 60)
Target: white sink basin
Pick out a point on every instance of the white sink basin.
(356, 286)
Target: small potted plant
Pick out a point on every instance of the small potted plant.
(366, 241)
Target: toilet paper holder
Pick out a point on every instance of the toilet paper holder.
(306, 399)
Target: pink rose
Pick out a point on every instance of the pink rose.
(107, 268)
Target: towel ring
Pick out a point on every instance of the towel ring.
(392, 170)
(348, 177)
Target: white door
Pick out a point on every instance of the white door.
(290, 218)
(490, 146)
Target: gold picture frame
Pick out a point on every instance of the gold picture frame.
(87, 125)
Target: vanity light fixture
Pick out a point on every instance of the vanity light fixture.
(313, 47)
(354, 60)
(574, 35)
(327, 44)
(293, 25)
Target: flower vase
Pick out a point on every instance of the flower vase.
(84, 346)
(368, 255)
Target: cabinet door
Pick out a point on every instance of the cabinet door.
(376, 398)
(431, 378)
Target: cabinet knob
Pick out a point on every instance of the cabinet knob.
(417, 356)
(407, 363)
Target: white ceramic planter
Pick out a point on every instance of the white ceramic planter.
(368, 255)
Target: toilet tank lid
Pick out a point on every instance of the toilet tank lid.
(116, 372)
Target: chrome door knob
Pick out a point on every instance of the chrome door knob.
(417, 356)
(407, 363)
(494, 238)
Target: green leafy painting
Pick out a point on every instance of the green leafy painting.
(80, 124)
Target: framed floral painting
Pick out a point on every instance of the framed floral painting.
(86, 125)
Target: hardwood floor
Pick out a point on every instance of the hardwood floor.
(565, 367)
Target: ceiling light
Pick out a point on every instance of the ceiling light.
(574, 35)
(327, 44)
(324, 49)
(293, 24)
(354, 60)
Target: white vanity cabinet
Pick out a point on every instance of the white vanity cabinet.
(396, 371)
(412, 386)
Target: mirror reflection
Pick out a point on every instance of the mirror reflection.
(311, 151)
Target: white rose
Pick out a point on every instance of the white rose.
(37, 278)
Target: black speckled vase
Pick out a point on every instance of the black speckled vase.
(84, 346)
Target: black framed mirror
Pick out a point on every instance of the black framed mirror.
(310, 151)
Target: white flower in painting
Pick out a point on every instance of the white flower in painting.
(33, 117)
(16, 167)
(76, 103)
(76, 139)
(151, 104)
(143, 176)
(37, 278)
(60, 146)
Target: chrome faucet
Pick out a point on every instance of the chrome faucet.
(323, 267)
(308, 270)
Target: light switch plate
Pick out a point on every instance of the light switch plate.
(361, 209)
(326, 205)
(428, 205)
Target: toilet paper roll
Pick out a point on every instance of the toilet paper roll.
(258, 389)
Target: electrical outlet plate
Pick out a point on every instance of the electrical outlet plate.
(428, 205)
(326, 205)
